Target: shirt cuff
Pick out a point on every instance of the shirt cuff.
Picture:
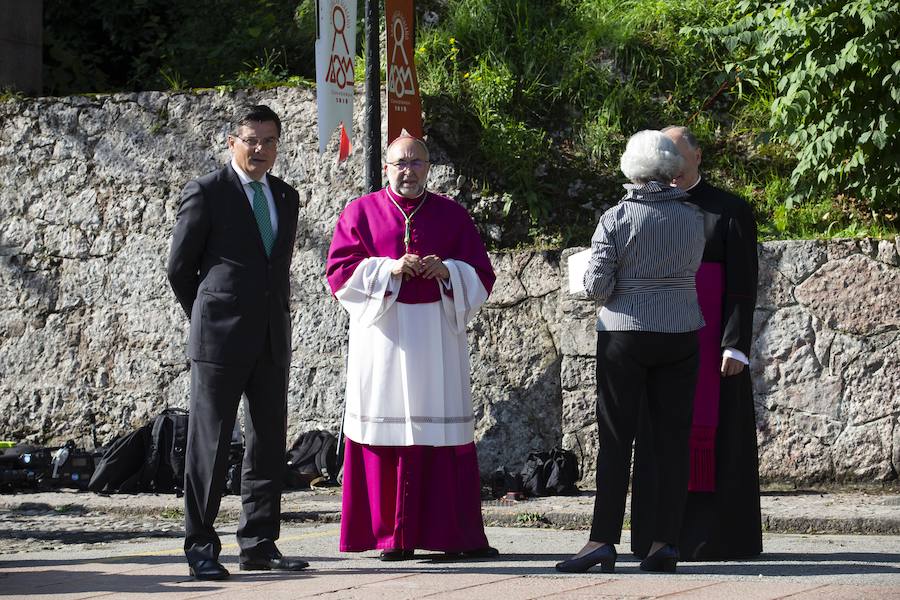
(736, 355)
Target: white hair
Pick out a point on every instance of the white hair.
(651, 156)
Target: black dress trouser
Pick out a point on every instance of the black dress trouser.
(216, 391)
(639, 370)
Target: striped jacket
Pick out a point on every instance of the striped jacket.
(644, 255)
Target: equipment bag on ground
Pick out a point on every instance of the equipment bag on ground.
(164, 468)
(149, 459)
(312, 459)
(552, 473)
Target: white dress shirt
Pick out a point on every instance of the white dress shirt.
(267, 191)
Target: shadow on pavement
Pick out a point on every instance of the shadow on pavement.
(111, 560)
(40, 582)
(48, 582)
(44, 574)
(82, 536)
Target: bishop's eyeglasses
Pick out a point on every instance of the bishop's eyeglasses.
(402, 165)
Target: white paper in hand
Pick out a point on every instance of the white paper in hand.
(578, 263)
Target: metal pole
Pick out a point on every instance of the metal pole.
(372, 112)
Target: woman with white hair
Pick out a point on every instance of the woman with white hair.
(644, 255)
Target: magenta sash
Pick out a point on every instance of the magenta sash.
(710, 290)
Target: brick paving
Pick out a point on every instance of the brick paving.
(68, 545)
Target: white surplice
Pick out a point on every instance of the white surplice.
(408, 366)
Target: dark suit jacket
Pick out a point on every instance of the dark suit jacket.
(233, 294)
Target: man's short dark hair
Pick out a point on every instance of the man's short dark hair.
(686, 135)
(256, 113)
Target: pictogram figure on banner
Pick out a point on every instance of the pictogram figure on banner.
(335, 54)
(404, 104)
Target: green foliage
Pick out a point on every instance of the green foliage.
(267, 72)
(550, 90)
(172, 513)
(835, 68)
(106, 45)
(531, 519)
(10, 93)
(536, 99)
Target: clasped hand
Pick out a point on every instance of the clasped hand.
(428, 267)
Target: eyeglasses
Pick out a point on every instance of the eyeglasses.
(402, 165)
(252, 142)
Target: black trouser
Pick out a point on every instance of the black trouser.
(216, 391)
(658, 371)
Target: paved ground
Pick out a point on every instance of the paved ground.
(794, 566)
(75, 545)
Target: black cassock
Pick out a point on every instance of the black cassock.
(725, 523)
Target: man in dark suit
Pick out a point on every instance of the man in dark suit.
(229, 267)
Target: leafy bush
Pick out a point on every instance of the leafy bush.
(107, 45)
(835, 67)
(546, 92)
(535, 100)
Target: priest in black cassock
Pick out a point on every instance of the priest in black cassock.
(722, 515)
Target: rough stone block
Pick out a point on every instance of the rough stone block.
(872, 384)
(795, 259)
(863, 452)
(873, 307)
(89, 328)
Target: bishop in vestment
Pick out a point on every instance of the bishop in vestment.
(411, 270)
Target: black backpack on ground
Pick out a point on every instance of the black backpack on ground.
(164, 467)
(552, 473)
(506, 484)
(149, 459)
(121, 467)
(312, 458)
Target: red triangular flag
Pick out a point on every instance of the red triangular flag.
(344, 148)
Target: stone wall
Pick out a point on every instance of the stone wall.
(825, 362)
(91, 338)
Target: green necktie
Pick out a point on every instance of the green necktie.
(261, 212)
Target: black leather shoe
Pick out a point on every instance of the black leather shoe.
(208, 570)
(272, 562)
(605, 556)
(661, 561)
(392, 555)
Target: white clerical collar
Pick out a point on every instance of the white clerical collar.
(399, 197)
(246, 179)
(696, 183)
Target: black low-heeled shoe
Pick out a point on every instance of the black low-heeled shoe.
(605, 556)
(661, 561)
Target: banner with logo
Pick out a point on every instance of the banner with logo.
(404, 106)
(335, 53)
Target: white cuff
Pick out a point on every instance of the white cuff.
(736, 355)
